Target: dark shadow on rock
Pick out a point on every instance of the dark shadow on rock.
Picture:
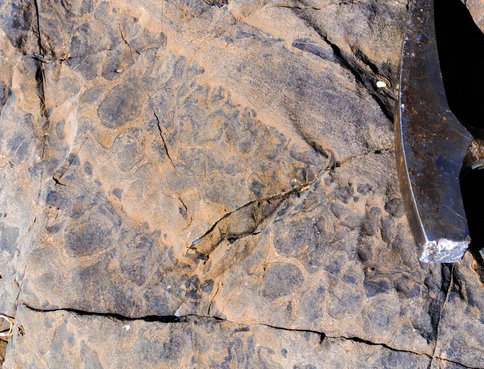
(472, 187)
(461, 53)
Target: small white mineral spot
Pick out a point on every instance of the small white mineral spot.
(126, 327)
(381, 84)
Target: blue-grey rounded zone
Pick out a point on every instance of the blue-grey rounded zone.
(87, 238)
(281, 279)
(120, 106)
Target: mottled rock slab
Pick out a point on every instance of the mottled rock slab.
(229, 163)
(20, 145)
(461, 330)
(63, 339)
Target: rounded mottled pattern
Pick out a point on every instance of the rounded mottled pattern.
(87, 238)
(251, 132)
(120, 106)
(281, 279)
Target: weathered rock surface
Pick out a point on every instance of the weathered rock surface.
(71, 340)
(212, 185)
(476, 8)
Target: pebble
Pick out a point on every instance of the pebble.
(381, 84)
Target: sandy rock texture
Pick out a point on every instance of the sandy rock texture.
(476, 8)
(211, 184)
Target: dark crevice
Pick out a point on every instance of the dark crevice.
(40, 78)
(128, 44)
(307, 6)
(324, 336)
(358, 74)
(209, 310)
(318, 148)
(186, 319)
(380, 151)
(447, 272)
(258, 210)
(364, 59)
(115, 316)
(58, 182)
(479, 258)
(232, 237)
(158, 124)
(361, 77)
(217, 3)
(321, 334)
(371, 343)
(39, 34)
(314, 145)
(299, 7)
(247, 217)
(67, 8)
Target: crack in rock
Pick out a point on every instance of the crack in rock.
(174, 319)
(439, 318)
(361, 77)
(160, 130)
(116, 316)
(242, 222)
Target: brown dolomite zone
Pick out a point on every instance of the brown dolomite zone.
(212, 184)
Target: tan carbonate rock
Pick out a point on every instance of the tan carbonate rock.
(71, 340)
(211, 184)
(476, 8)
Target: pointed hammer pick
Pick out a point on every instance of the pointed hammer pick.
(431, 144)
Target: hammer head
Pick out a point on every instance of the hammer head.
(431, 145)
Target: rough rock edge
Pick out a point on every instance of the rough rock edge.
(174, 319)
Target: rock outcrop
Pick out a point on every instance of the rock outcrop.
(476, 8)
(212, 185)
